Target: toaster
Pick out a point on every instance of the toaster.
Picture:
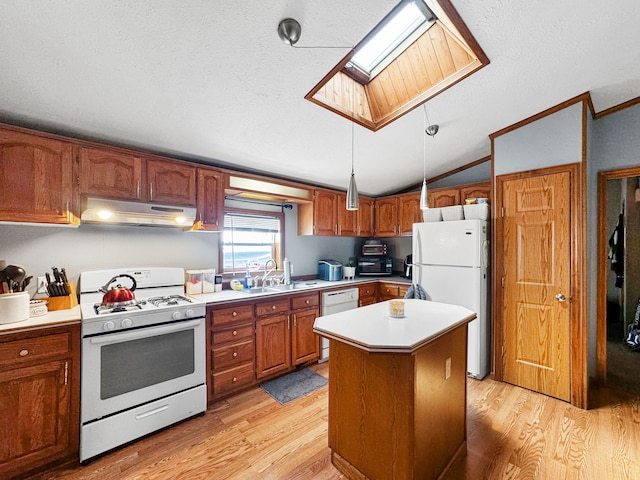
(330, 270)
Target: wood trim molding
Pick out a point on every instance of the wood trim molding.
(602, 267)
(579, 322)
(584, 97)
(617, 108)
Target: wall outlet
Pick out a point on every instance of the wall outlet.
(447, 368)
(42, 285)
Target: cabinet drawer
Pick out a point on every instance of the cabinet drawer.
(27, 350)
(232, 356)
(389, 290)
(275, 306)
(367, 290)
(305, 301)
(233, 379)
(225, 316)
(239, 333)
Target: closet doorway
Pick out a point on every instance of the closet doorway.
(618, 355)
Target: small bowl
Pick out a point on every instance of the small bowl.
(37, 308)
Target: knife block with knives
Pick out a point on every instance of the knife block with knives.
(62, 292)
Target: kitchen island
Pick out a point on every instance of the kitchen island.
(397, 389)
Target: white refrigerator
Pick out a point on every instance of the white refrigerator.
(450, 261)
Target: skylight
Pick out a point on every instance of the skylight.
(394, 34)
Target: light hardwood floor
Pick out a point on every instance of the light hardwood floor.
(512, 433)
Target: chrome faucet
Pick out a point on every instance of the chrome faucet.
(268, 272)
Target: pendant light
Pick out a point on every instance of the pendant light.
(352, 189)
(430, 130)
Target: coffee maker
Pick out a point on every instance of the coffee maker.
(408, 266)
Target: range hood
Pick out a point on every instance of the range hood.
(100, 210)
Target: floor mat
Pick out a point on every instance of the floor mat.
(294, 385)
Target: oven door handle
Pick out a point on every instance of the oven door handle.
(144, 332)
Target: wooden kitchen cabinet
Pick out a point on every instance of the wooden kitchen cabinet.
(347, 219)
(37, 179)
(273, 345)
(120, 175)
(447, 197)
(231, 353)
(320, 217)
(386, 216)
(365, 217)
(408, 212)
(171, 183)
(476, 190)
(367, 294)
(40, 392)
(391, 291)
(305, 345)
(106, 173)
(444, 197)
(210, 200)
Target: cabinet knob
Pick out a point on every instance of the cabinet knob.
(235, 354)
(234, 333)
(307, 302)
(235, 379)
(24, 353)
(234, 314)
(273, 307)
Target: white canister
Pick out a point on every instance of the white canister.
(209, 280)
(14, 307)
(193, 285)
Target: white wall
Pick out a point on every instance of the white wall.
(550, 141)
(91, 247)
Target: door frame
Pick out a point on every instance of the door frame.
(578, 355)
(602, 267)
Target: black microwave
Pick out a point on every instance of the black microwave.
(382, 265)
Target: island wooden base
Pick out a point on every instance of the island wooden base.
(396, 415)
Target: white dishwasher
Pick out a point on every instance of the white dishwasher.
(334, 302)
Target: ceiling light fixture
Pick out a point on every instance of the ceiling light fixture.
(430, 130)
(289, 31)
(352, 189)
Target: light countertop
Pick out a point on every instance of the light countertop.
(370, 328)
(50, 319)
(309, 286)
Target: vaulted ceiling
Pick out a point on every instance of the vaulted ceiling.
(211, 81)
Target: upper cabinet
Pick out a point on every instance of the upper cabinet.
(365, 217)
(408, 212)
(210, 199)
(110, 173)
(446, 197)
(171, 182)
(347, 219)
(320, 217)
(37, 179)
(386, 216)
(396, 215)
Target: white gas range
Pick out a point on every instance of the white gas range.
(143, 360)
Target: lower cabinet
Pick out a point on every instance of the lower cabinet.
(367, 294)
(305, 345)
(39, 398)
(231, 349)
(391, 291)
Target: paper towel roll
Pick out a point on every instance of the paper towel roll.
(14, 307)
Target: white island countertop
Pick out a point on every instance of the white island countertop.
(370, 328)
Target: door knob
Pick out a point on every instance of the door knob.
(560, 297)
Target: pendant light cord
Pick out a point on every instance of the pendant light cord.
(352, 170)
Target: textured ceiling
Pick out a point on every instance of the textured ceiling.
(211, 80)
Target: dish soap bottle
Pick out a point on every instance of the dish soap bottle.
(247, 278)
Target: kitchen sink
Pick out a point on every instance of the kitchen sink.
(255, 290)
(287, 288)
(278, 288)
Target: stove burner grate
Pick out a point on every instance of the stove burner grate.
(102, 310)
(168, 300)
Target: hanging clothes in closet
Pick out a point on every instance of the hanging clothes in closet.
(616, 251)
